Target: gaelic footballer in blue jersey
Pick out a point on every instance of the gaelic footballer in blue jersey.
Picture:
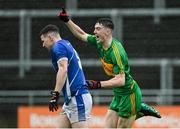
(70, 80)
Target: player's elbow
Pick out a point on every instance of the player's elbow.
(122, 82)
(63, 70)
(121, 79)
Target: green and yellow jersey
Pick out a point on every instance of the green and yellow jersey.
(114, 61)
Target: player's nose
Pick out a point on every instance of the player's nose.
(94, 31)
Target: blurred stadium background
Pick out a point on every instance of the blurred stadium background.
(148, 29)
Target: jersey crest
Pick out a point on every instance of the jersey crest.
(108, 68)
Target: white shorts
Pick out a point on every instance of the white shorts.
(79, 108)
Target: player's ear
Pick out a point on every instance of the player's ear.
(50, 36)
(108, 31)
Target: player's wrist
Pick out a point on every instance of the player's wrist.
(64, 16)
(92, 84)
(98, 84)
(65, 19)
(55, 94)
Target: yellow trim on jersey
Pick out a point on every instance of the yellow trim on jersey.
(133, 109)
(108, 68)
(118, 58)
(132, 97)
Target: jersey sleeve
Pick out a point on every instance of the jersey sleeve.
(60, 52)
(92, 40)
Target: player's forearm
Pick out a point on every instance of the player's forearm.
(60, 79)
(117, 81)
(77, 31)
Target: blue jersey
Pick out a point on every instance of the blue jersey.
(75, 81)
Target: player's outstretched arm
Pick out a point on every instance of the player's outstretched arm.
(92, 84)
(118, 80)
(75, 29)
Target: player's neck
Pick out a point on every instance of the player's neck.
(57, 39)
(107, 43)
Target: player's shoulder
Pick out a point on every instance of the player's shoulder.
(59, 45)
(62, 43)
(91, 37)
(116, 41)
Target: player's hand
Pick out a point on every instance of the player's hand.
(63, 15)
(92, 84)
(53, 106)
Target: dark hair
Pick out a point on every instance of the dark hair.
(49, 28)
(107, 22)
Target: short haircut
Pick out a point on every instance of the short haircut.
(107, 22)
(49, 28)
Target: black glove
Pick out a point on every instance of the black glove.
(92, 84)
(53, 102)
(63, 15)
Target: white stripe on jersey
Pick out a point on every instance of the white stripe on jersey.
(64, 58)
(76, 72)
(74, 77)
(68, 89)
(71, 57)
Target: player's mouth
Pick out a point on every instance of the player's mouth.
(97, 38)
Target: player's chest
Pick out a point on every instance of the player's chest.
(106, 55)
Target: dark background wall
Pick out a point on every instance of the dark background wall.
(142, 38)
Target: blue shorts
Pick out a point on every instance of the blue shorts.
(79, 108)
